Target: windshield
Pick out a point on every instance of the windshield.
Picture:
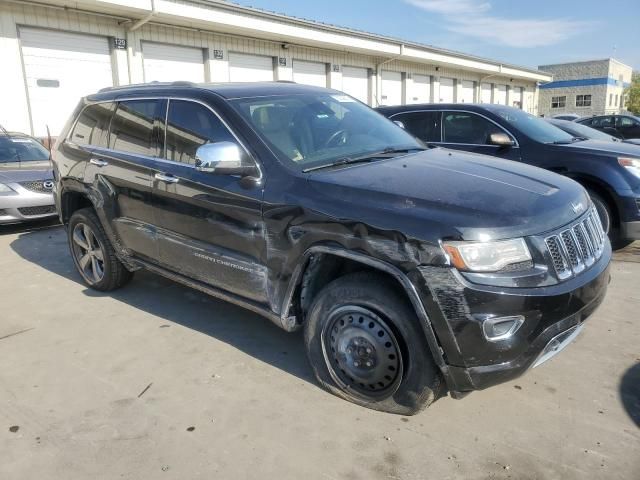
(21, 149)
(533, 127)
(579, 130)
(322, 128)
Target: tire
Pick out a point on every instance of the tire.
(102, 270)
(606, 216)
(366, 346)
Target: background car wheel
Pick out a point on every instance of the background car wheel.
(93, 254)
(606, 217)
(365, 345)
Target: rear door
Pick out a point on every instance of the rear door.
(425, 124)
(121, 174)
(210, 225)
(470, 132)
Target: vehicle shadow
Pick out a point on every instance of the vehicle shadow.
(244, 330)
(630, 392)
(31, 226)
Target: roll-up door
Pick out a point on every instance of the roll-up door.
(60, 68)
(501, 95)
(168, 63)
(466, 92)
(517, 98)
(250, 68)
(420, 90)
(391, 88)
(446, 90)
(355, 82)
(310, 73)
(485, 93)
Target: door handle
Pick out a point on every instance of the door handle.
(98, 163)
(166, 178)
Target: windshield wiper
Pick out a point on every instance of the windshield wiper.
(386, 153)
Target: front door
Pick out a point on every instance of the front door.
(471, 132)
(628, 127)
(210, 225)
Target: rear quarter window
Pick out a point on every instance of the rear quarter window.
(92, 127)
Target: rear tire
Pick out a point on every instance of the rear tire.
(92, 253)
(366, 346)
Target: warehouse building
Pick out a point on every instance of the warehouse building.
(588, 88)
(56, 51)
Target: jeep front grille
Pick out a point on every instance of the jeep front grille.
(577, 247)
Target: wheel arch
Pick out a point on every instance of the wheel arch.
(333, 254)
(602, 189)
(72, 200)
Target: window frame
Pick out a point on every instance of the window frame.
(584, 100)
(68, 139)
(559, 103)
(167, 98)
(408, 112)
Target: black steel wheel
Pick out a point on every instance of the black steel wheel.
(365, 345)
(362, 352)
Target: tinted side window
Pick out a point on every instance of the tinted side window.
(190, 125)
(462, 127)
(135, 125)
(424, 125)
(92, 127)
(588, 122)
(602, 122)
(626, 122)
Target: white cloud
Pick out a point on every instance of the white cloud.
(472, 18)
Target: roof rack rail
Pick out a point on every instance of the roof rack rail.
(177, 83)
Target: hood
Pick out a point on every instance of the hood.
(452, 194)
(25, 172)
(616, 148)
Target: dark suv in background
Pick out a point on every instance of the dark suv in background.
(620, 126)
(609, 171)
(411, 270)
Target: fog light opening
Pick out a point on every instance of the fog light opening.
(501, 328)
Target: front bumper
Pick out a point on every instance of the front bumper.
(457, 308)
(25, 205)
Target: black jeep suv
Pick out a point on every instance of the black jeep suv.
(411, 270)
(609, 172)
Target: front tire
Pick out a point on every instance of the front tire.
(93, 254)
(366, 346)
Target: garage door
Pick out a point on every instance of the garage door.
(60, 68)
(310, 73)
(446, 90)
(355, 82)
(485, 93)
(517, 97)
(391, 88)
(168, 63)
(420, 90)
(250, 68)
(466, 92)
(501, 95)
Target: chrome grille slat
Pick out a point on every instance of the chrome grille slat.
(577, 247)
(36, 186)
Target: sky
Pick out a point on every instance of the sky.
(512, 31)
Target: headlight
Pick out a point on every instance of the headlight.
(631, 164)
(6, 189)
(487, 256)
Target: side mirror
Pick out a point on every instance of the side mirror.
(400, 124)
(223, 158)
(501, 140)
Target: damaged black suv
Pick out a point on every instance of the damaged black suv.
(413, 271)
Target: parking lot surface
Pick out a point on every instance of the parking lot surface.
(162, 382)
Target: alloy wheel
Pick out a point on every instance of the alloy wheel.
(88, 253)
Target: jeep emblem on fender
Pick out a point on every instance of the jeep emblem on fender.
(577, 207)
